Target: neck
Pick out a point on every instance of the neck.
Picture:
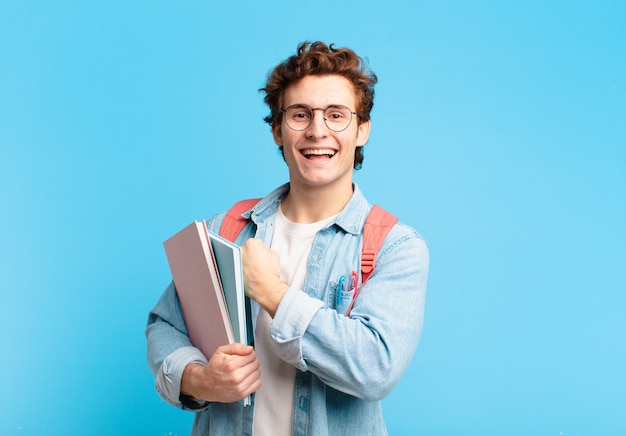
(306, 206)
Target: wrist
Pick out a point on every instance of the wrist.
(189, 379)
(273, 299)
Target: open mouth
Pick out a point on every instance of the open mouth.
(318, 153)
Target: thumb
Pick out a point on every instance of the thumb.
(235, 348)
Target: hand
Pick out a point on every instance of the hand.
(261, 275)
(231, 375)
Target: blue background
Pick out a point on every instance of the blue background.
(498, 132)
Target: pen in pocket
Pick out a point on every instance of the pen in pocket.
(353, 287)
(340, 285)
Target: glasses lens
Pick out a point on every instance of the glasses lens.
(298, 117)
(337, 118)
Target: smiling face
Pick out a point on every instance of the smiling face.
(318, 157)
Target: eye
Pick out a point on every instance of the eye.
(337, 113)
(299, 113)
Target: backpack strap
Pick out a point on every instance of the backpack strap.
(377, 225)
(233, 222)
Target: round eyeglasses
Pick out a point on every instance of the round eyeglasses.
(300, 116)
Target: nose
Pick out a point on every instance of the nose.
(317, 128)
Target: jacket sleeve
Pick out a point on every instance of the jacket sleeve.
(170, 350)
(363, 355)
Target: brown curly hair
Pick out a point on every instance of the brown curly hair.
(317, 58)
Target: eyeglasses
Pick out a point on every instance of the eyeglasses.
(300, 116)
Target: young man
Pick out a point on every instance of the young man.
(313, 370)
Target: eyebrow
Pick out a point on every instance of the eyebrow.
(311, 107)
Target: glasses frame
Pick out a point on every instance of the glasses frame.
(313, 109)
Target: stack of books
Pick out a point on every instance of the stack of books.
(208, 276)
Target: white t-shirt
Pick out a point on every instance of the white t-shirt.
(273, 405)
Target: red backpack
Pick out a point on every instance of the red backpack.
(377, 225)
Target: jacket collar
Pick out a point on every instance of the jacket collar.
(351, 219)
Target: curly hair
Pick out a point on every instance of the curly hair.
(317, 58)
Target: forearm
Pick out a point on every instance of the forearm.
(170, 376)
(169, 348)
(360, 359)
(270, 299)
(165, 330)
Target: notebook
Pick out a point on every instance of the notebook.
(199, 288)
(228, 260)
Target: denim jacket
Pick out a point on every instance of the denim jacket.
(346, 365)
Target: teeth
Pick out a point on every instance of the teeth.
(319, 152)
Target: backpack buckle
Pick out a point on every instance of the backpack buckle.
(368, 261)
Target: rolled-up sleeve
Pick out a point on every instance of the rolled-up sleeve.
(170, 350)
(292, 318)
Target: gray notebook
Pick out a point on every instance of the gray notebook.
(228, 259)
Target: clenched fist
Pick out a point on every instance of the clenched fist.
(261, 275)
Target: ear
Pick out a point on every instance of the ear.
(278, 135)
(363, 133)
